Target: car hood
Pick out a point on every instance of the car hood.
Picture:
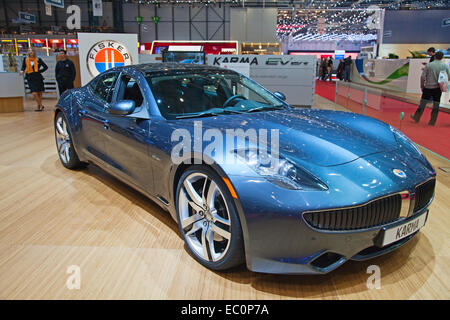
(322, 137)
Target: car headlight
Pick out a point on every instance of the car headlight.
(280, 171)
(404, 142)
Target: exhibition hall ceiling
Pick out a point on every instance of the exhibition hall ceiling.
(310, 4)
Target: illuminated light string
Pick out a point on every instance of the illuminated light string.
(192, 3)
(328, 24)
(335, 37)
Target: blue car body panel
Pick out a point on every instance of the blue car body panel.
(353, 155)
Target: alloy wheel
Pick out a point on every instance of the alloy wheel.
(204, 217)
(63, 140)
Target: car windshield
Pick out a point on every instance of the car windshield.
(196, 94)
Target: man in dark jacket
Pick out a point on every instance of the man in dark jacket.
(347, 68)
(329, 68)
(340, 70)
(65, 72)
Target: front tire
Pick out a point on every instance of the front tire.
(208, 220)
(64, 144)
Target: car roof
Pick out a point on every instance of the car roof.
(149, 68)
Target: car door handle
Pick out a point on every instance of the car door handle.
(106, 124)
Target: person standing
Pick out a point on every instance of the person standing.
(347, 68)
(33, 68)
(319, 66)
(318, 63)
(431, 52)
(330, 68)
(64, 72)
(430, 88)
(340, 70)
(324, 69)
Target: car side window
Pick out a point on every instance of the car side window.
(129, 90)
(103, 88)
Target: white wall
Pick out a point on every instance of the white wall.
(253, 24)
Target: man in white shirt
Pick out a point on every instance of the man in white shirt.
(430, 88)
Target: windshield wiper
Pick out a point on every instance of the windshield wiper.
(198, 115)
(265, 108)
(227, 111)
(233, 111)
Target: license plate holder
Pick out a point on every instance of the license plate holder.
(389, 235)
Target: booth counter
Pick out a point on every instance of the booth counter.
(12, 92)
(294, 76)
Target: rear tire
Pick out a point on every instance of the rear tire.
(64, 144)
(208, 220)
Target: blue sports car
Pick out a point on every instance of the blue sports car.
(247, 177)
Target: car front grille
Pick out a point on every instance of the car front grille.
(424, 193)
(374, 213)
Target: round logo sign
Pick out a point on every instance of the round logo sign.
(105, 55)
(399, 173)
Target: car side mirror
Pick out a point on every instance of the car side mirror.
(279, 95)
(122, 107)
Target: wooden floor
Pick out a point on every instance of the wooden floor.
(128, 248)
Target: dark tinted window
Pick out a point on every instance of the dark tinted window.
(130, 90)
(193, 93)
(103, 87)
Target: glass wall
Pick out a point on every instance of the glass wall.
(395, 108)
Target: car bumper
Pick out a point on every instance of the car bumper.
(279, 240)
(340, 248)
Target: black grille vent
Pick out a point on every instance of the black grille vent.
(424, 193)
(374, 213)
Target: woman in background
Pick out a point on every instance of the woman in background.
(33, 68)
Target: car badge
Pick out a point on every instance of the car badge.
(107, 54)
(399, 173)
